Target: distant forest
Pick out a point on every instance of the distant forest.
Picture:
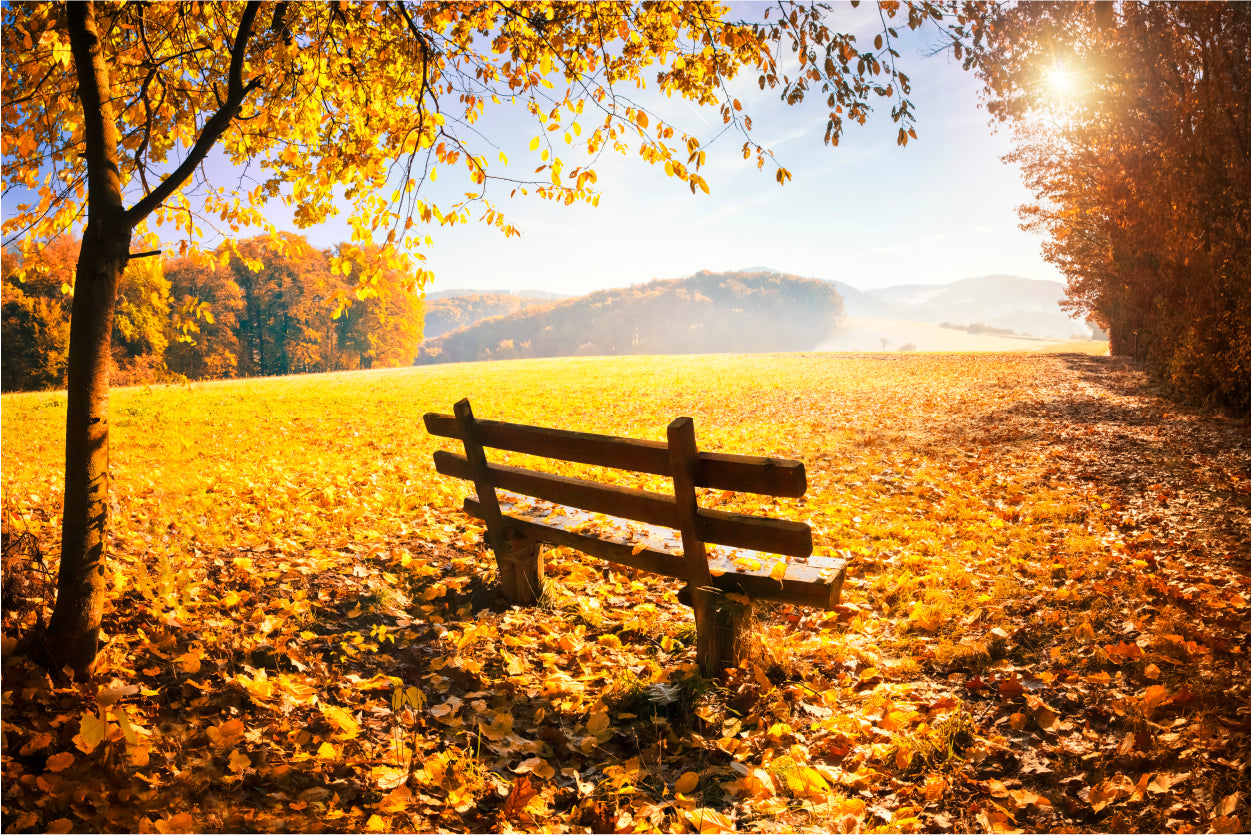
(738, 312)
(268, 310)
(448, 313)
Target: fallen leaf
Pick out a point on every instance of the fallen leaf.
(686, 783)
(397, 800)
(341, 720)
(226, 734)
(59, 762)
(519, 796)
(708, 820)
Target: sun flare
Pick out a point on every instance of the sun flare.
(1062, 81)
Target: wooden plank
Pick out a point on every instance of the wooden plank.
(719, 471)
(626, 502)
(738, 530)
(816, 582)
(479, 473)
(757, 533)
(617, 547)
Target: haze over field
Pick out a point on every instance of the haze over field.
(987, 313)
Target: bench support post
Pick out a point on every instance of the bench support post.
(521, 569)
(518, 559)
(731, 619)
(715, 644)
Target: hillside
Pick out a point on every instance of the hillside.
(706, 313)
(446, 313)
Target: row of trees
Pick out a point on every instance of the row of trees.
(706, 313)
(1132, 127)
(266, 306)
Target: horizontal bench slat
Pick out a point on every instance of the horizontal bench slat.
(756, 533)
(816, 583)
(775, 536)
(626, 502)
(719, 471)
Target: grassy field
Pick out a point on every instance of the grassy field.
(306, 622)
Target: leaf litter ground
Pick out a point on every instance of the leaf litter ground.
(1045, 627)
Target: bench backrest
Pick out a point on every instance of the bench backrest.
(679, 459)
(718, 471)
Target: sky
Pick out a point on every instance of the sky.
(866, 212)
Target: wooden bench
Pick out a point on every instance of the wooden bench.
(675, 533)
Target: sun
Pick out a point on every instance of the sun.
(1061, 80)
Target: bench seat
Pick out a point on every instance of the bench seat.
(807, 581)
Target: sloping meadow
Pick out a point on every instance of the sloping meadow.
(1045, 623)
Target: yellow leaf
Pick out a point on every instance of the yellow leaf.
(706, 820)
(341, 720)
(261, 688)
(92, 730)
(686, 783)
(598, 723)
(59, 762)
(375, 824)
(326, 751)
(534, 144)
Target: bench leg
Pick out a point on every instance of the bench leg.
(721, 625)
(521, 570)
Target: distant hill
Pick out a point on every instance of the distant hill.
(705, 313)
(446, 313)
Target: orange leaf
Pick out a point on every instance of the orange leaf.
(1156, 695)
(396, 801)
(60, 762)
(522, 792)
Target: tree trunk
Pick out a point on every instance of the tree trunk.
(71, 638)
(73, 633)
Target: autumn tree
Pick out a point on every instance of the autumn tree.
(36, 300)
(1132, 128)
(109, 111)
(384, 327)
